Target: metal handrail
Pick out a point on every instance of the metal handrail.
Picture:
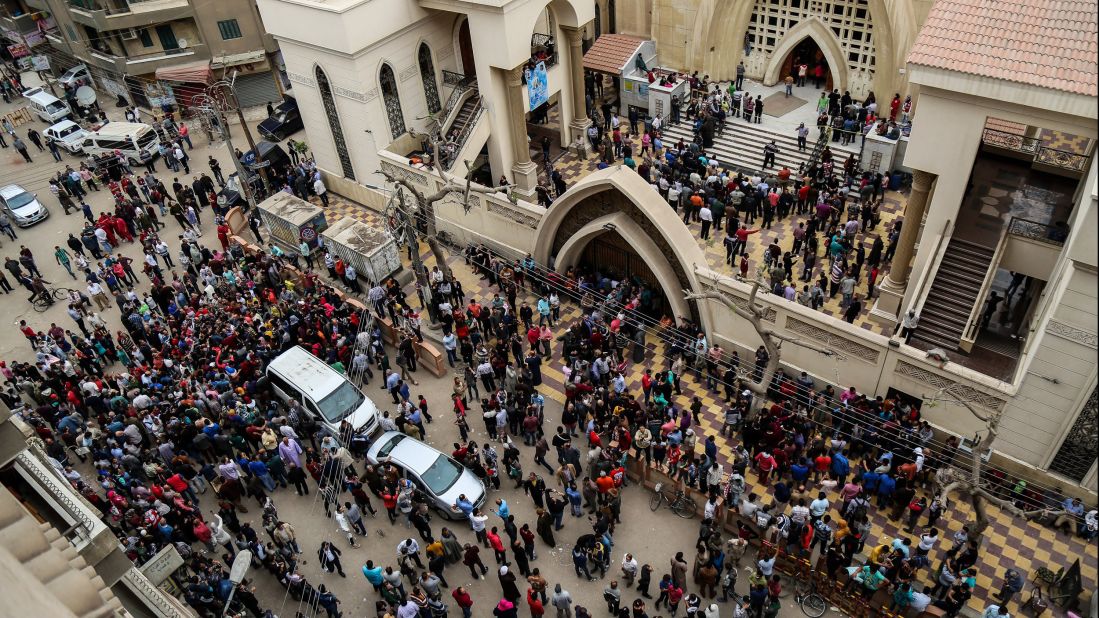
(539, 41)
(1033, 230)
(450, 78)
(972, 324)
(452, 101)
(1011, 141)
(460, 140)
(932, 269)
(1062, 158)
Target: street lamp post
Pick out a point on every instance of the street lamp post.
(213, 104)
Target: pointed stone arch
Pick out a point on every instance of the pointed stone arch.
(825, 39)
(618, 199)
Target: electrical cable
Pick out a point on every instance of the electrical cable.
(537, 273)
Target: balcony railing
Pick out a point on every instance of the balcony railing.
(543, 48)
(452, 79)
(1062, 159)
(1041, 232)
(1011, 141)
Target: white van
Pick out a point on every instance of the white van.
(324, 393)
(136, 141)
(48, 107)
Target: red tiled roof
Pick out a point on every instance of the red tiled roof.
(1045, 43)
(611, 52)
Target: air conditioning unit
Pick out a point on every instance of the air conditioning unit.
(129, 34)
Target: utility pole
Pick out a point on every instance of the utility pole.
(417, 263)
(211, 106)
(248, 134)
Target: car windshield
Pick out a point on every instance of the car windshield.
(19, 200)
(388, 447)
(69, 130)
(442, 475)
(341, 402)
(55, 107)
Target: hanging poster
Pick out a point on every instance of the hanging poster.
(537, 85)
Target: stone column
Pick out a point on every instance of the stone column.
(580, 120)
(524, 171)
(891, 293)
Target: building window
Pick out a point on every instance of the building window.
(229, 29)
(1077, 453)
(334, 124)
(392, 101)
(145, 37)
(427, 74)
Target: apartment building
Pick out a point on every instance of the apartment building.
(156, 52)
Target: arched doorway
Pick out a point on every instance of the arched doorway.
(465, 48)
(807, 52)
(813, 38)
(615, 210)
(610, 257)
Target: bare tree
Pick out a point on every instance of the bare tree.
(754, 313)
(425, 204)
(951, 479)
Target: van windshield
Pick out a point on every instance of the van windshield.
(340, 403)
(55, 107)
(442, 475)
(144, 140)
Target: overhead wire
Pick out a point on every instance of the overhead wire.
(540, 273)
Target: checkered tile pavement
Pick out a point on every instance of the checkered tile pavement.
(1060, 140)
(1024, 546)
(575, 168)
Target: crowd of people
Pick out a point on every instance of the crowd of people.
(176, 406)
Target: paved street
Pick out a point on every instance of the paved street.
(653, 538)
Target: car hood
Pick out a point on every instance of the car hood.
(364, 416)
(29, 209)
(78, 136)
(467, 484)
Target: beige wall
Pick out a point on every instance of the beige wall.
(208, 14)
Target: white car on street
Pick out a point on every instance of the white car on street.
(22, 206)
(68, 135)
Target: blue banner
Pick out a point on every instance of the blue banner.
(537, 85)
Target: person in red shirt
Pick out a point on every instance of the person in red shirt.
(535, 604)
(765, 463)
(497, 545)
(464, 601)
(820, 466)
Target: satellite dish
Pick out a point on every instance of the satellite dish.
(182, 43)
(85, 96)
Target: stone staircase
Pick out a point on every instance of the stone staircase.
(952, 295)
(741, 145)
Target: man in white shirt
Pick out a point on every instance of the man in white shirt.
(321, 191)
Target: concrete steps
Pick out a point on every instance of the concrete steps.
(741, 145)
(952, 295)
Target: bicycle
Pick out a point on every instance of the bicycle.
(679, 502)
(42, 303)
(811, 602)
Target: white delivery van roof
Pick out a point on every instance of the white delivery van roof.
(42, 98)
(290, 208)
(307, 372)
(122, 129)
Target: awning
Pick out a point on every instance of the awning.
(192, 73)
(232, 60)
(611, 53)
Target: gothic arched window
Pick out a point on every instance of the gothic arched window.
(392, 101)
(427, 74)
(334, 124)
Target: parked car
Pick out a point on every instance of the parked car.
(285, 122)
(22, 206)
(76, 76)
(68, 135)
(438, 476)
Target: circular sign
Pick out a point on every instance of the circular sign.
(308, 234)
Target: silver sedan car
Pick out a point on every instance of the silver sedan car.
(438, 476)
(22, 206)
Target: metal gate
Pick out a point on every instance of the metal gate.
(612, 256)
(257, 89)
